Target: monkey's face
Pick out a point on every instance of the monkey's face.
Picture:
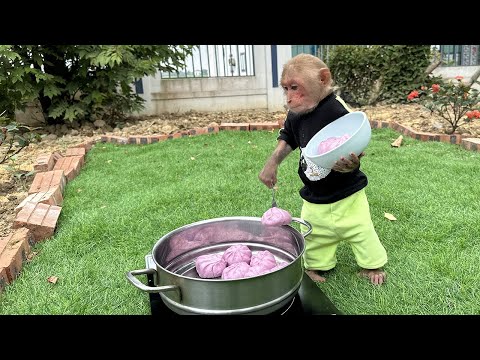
(299, 98)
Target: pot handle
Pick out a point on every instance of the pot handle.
(305, 223)
(150, 289)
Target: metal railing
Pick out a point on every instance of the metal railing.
(321, 51)
(460, 55)
(209, 61)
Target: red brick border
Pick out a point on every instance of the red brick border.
(467, 143)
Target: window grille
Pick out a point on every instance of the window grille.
(209, 61)
(460, 55)
(322, 51)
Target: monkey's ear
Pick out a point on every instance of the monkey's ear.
(325, 76)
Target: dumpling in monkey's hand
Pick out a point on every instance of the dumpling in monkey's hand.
(236, 271)
(210, 266)
(237, 253)
(276, 216)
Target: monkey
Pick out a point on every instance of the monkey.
(334, 200)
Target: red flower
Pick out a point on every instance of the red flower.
(473, 114)
(412, 95)
(459, 77)
(435, 88)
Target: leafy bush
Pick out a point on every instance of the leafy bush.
(355, 71)
(81, 82)
(371, 74)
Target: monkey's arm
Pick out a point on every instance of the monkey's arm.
(268, 175)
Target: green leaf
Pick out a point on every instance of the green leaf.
(57, 110)
(51, 91)
(73, 112)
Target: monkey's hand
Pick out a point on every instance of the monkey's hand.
(345, 165)
(268, 175)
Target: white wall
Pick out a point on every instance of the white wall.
(221, 93)
(452, 71)
(449, 72)
(276, 100)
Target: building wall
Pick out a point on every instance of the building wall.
(452, 71)
(449, 72)
(276, 97)
(221, 93)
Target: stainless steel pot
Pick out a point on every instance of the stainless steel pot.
(184, 292)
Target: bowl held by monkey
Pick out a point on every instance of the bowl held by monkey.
(348, 134)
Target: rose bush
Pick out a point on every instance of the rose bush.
(455, 101)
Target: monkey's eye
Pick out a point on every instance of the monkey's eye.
(294, 87)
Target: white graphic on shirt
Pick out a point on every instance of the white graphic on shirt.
(312, 171)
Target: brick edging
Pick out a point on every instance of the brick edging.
(467, 143)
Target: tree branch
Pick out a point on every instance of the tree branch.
(376, 90)
(433, 66)
(474, 77)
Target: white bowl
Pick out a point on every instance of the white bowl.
(355, 124)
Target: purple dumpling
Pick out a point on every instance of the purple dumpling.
(276, 217)
(210, 266)
(264, 260)
(276, 267)
(237, 253)
(254, 271)
(235, 271)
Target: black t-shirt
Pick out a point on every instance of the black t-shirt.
(297, 131)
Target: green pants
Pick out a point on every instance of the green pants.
(347, 219)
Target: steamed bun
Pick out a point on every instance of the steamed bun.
(210, 266)
(237, 253)
(235, 271)
(263, 260)
(276, 216)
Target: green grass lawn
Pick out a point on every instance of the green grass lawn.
(128, 196)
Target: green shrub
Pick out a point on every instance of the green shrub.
(379, 73)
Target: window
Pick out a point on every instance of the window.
(322, 51)
(459, 55)
(243, 64)
(304, 49)
(139, 86)
(216, 61)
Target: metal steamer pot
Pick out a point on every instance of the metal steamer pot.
(184, 292)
